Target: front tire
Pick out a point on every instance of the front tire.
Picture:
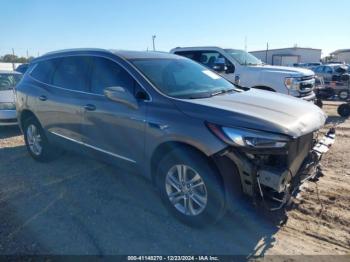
(36, 141)
(190, 188)
(344, 110)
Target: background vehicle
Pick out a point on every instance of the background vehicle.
(22, 68)
(8, 80)
(307, 65)
(331, 72)
(336, 78)
(241, 67)
(200, 139)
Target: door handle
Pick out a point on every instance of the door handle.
(42, 98)
(90, 107)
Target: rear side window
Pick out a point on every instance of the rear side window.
(43, 71)
(106, 73)
(72, 73)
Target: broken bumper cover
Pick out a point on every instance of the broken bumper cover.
(278, 190)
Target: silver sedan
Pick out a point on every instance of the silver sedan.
(8, 80)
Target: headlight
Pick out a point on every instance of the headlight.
(249, 138)
(7, 106)
(292, 83)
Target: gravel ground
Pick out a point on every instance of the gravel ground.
(76, 205)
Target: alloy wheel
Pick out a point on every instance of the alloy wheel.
(34, 139)
(186, 190)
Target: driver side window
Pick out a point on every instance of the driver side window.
(106, 73)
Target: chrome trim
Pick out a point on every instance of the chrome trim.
(93, 147)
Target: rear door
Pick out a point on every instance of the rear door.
(60, 103)
(110, 127)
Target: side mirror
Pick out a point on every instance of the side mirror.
(220, 65)
(121, 95)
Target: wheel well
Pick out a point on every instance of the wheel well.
(26, 114)
(166, 147)
(266, 88)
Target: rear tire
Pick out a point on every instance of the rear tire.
(198, 198)
(36, 141)
(344, 110)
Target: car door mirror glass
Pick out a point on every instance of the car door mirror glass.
(121, 95)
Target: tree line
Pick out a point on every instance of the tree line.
(9, 58)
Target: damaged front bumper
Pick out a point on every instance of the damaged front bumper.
(272, 177)
(276, 190)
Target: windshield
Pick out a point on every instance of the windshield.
(183, 78)
(243, 58)
(8, 81)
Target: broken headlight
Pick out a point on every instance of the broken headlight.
(249, 138)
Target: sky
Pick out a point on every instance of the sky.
(41, 26)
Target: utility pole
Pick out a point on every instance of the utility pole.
(267, 50)
(245, 44)
(27, 54)
(153, 41)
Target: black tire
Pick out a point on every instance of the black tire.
(344, 110)
(215, 206)
(343, 94)
(47, 153)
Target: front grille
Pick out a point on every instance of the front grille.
(305, 78)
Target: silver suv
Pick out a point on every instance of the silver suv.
(202, 141)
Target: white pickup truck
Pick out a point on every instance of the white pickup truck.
(246, 70)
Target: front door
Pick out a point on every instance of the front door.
(110, 127)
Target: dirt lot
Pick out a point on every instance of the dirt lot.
(75, 205)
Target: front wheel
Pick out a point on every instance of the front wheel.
(190, 188)
(36, 142)
(344, 110)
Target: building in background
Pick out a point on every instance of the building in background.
(289, 56)
(341, 55)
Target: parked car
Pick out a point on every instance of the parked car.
(336, 78)
(201, 140)
(22, 68)
(331, 72)
(8, 80)
(310, 66)
(241, 67)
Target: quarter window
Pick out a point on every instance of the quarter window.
(106, 73)
(72, 73)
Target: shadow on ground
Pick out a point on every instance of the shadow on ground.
(335, 120)
(75, 205)
(9, 131)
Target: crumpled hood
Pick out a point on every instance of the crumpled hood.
(7, 96)
(260, 110)
(290, 71)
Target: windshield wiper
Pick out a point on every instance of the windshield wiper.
(224, 91)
